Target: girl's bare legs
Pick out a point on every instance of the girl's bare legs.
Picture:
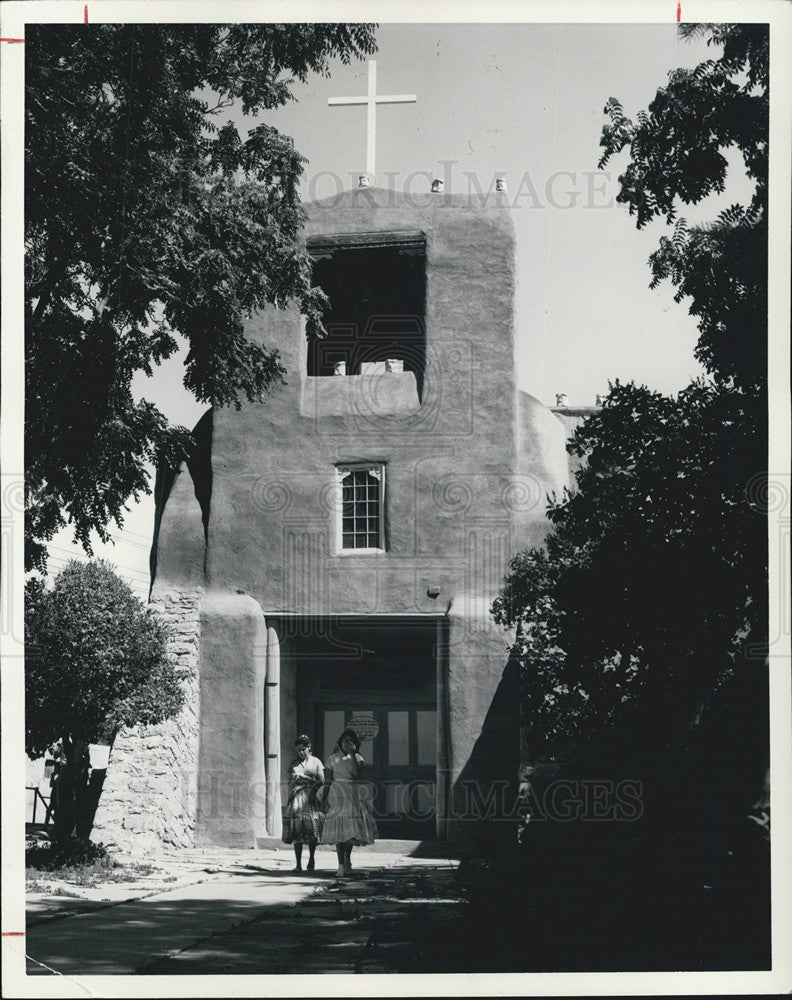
(347, 859)
(298, 857)
(340, 851)
(311, 862)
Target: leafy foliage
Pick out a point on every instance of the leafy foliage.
(652, 583)
(75, 855)
(147, 215)
(677, 155)
(95, 659)
(649, 597)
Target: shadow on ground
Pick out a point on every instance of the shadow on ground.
(381, 921)
(593, 900)
(576, 897)
(120, 939)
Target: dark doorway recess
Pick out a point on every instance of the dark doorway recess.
(385, 672)
(376, 284)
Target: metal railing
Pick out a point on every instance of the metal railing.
(47, 803)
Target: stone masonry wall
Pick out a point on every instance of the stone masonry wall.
(149, 796)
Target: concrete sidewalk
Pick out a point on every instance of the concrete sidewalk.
(244, 911)
(52, 897)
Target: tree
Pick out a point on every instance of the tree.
(148, 214)
(651, 584)
(95, 661)
(648, 601)
(677, 155)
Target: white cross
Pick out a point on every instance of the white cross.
(372, 100)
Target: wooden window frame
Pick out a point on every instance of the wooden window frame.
(342, 470)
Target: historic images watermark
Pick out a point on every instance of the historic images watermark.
(441, 521)
(770, 496)
(12, 506)
(597, 800)
(303, 511)
(384, 404)
(562, 189)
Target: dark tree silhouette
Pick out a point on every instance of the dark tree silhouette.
(648, 602)
(147, 215)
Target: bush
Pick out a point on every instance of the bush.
(96, 660)
(76, 852)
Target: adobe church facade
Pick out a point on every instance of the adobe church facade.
(331, 554)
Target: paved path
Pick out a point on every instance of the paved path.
(250, 914)
(396, 920)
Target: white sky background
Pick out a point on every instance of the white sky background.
(522, 101)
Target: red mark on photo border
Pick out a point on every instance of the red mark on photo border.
(85, 14)
(12, 39)
(679, 11)
(14, 933)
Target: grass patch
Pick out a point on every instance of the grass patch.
(78, 863)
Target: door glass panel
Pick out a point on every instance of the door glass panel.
(423, 800)
(395, 797)
(398, 738)
(366, 748)
(333, 727)
(426, 728)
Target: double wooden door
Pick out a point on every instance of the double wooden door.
(401, 759)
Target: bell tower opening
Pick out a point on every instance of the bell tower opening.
(376, 283)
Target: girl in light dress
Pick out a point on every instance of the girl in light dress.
(346, 803)
(302, 822)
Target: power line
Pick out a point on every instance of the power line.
(68, 555)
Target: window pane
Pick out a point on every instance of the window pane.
(398, 738)
(361, 510)
(426, 731)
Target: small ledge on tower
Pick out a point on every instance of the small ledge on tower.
(375, 394)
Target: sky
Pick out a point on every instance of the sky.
(519, 101)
